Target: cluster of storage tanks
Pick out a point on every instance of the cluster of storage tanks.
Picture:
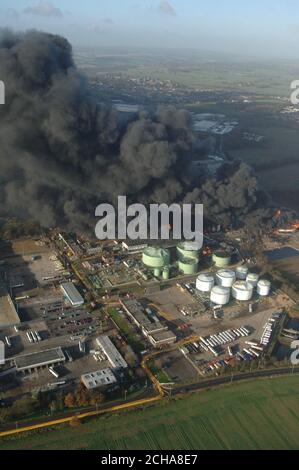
(188, 257)
(239, 284)
(158, 259)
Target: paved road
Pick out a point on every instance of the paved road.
(45, 422)
(236, 378)
(145, 395)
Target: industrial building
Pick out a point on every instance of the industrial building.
(98, 379)
(8, 313)
(162, 337)
(154, 331)
(39, 360)
(134, 246)
(136, 312)
(73, 248)
(114, 357)
(72, 294)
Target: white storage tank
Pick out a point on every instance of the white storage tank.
(225, 277)
(264, 288)
(242, 290)
(220, 295)
(252, 279)
(205, 282)
(242, 273)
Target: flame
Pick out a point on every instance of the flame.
(292, 226)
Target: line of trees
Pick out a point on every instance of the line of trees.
(83, 397)
(53, 402)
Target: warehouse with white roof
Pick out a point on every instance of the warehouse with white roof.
(72, 294)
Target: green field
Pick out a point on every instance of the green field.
(262, 414)
(265, 79)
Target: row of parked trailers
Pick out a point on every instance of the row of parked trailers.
(251, 352)
(33, 336)
(221, 339)
(268, 331)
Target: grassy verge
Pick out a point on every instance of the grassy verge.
(126, 330)
(262, 414)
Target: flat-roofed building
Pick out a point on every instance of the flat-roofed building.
(72, 294)
(155, 331)
(161, 338)
(134, 246)
(135, 311)
(99, 379)
(151, 328)
(39, 360)
(108, 348)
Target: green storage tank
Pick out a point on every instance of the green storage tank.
(188, 266)
(221, 259)
(157, 272)
(166, 274)
(155, 257)
(188, 250)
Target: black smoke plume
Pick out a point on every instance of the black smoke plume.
(61, 154)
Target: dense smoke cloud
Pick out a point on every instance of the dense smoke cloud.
(61, 154)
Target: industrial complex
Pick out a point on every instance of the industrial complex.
(128, 315)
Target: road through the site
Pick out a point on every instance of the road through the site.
(27, 427)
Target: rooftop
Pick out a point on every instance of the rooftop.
(100, 378)
(115, 358)
(163, 336)
(38, 359)
(72, 293)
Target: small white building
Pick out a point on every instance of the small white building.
(100, 378)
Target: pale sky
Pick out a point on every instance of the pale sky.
(255, 27)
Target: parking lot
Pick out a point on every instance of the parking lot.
(31, 307)
(68, 321)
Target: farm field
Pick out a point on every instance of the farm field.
(263, 414)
